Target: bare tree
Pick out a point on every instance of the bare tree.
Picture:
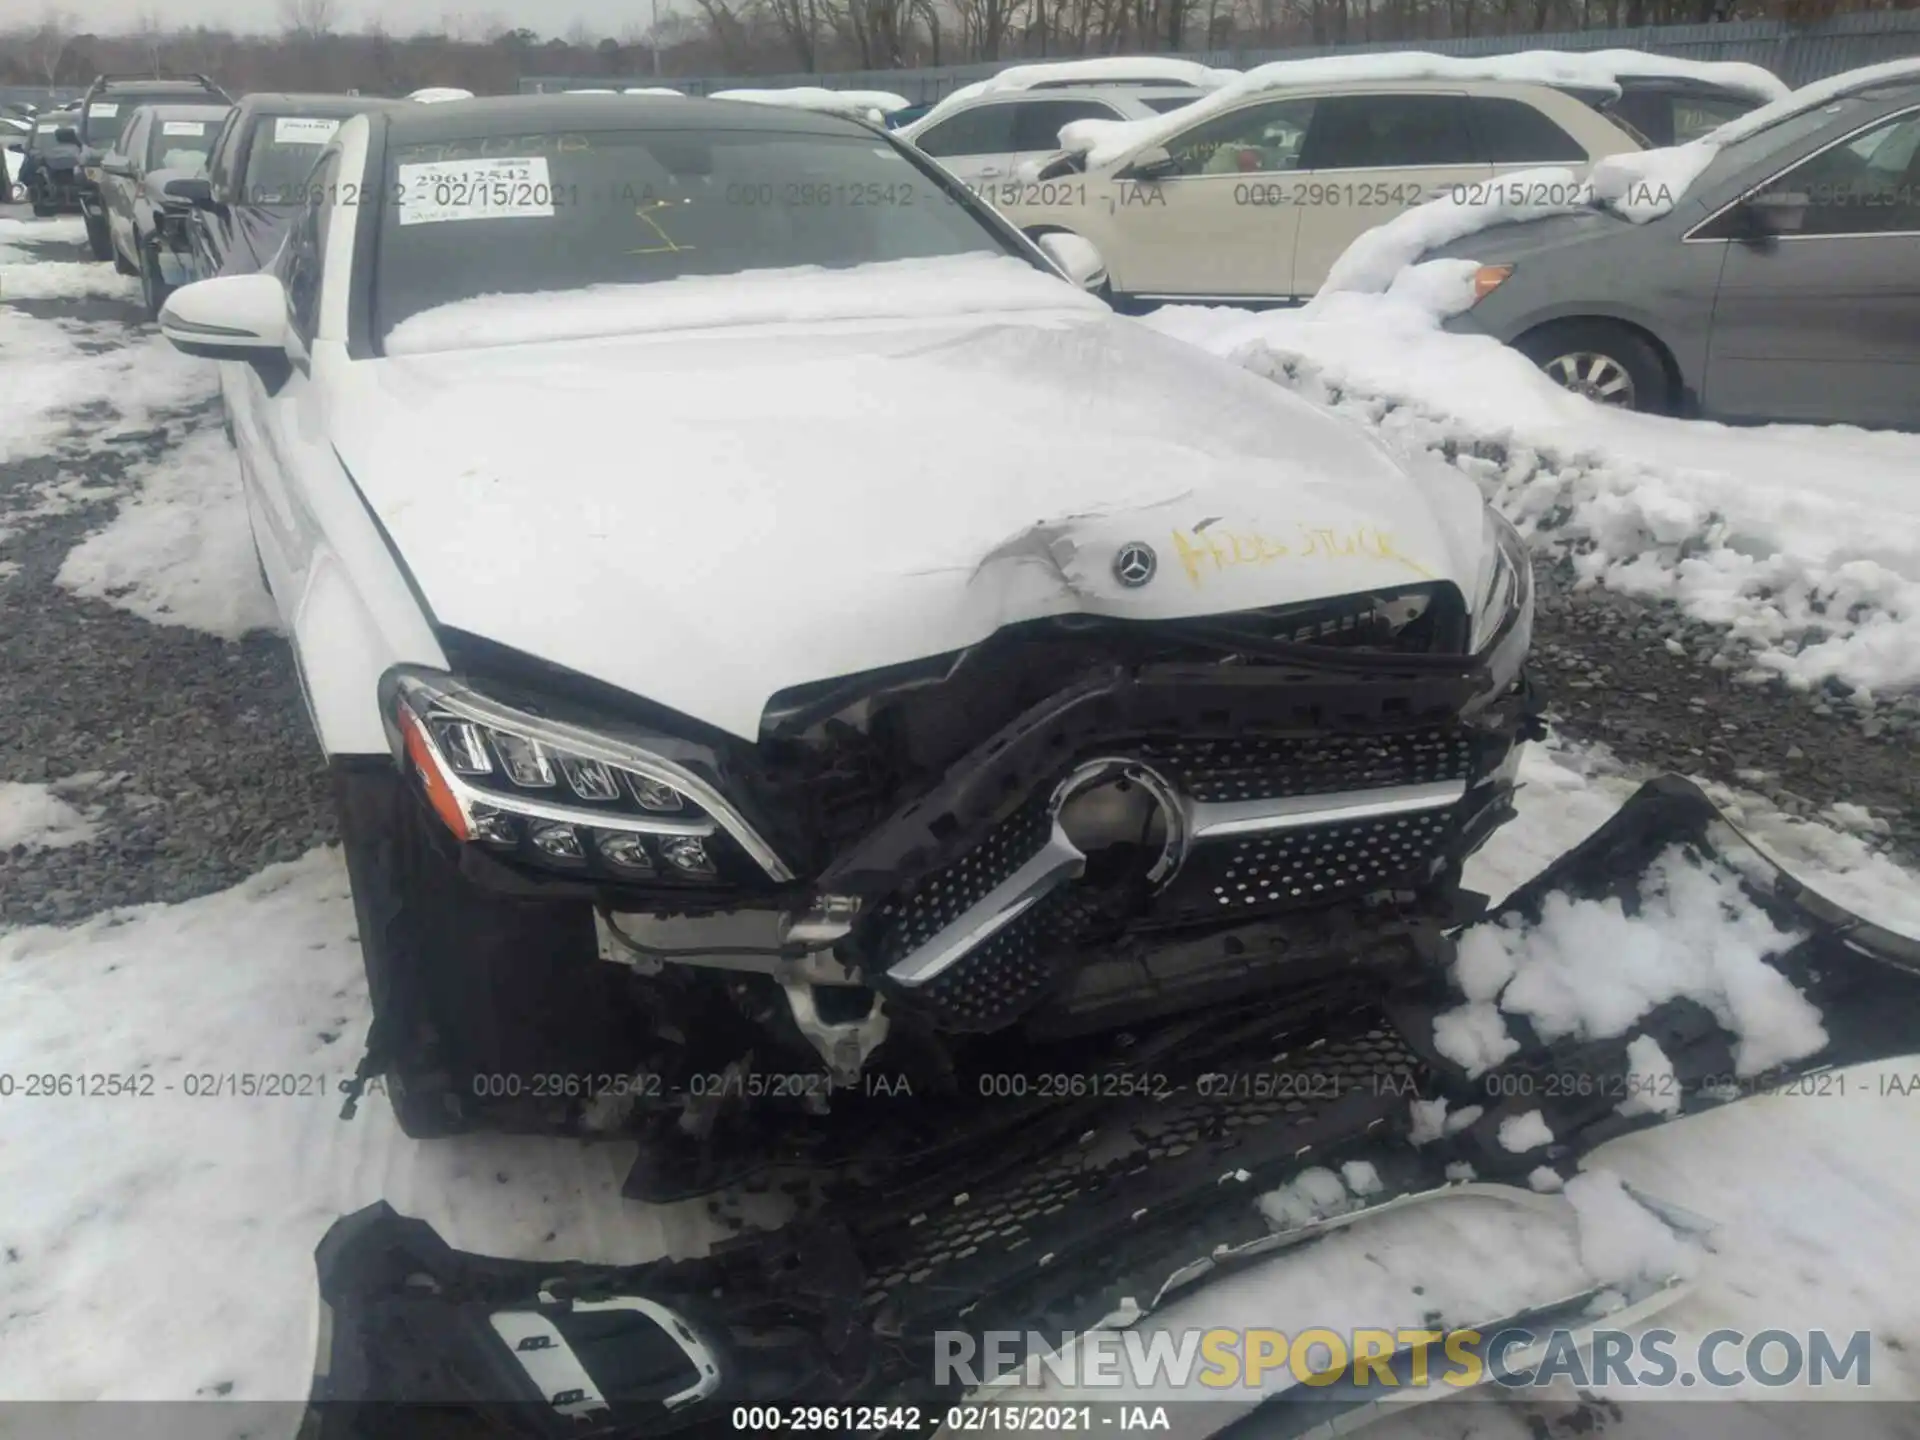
(47, 46)
(309, 19)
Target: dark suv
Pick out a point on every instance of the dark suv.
(104, 111)
(53, 167)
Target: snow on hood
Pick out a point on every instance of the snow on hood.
(1098, 70)
(707, 518)
(1105, 142)
(895, 289)
(434, 94)
(812, 97)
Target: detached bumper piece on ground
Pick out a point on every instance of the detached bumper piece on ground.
(1057, 1214)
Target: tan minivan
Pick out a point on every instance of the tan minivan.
(1255, 202)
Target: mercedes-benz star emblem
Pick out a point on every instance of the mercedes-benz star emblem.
(1134, 564)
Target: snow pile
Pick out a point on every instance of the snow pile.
(1591, 971)
(813, 97)
(1652, 1086)
(1804, 542)
(436, 94)
(180, 552)
(1621, 1241)
(1097, 70)
(654, 90)
(26, 278)
(1105, 142)
(51, 376)
(892, 289)
(1521, 1133)
(158, 1242)
(33, 817)
(1377, 257)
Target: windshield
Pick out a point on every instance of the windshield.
(180, 145)
(1165, 103)
(1780, 135)
(105, 119)
(281, 157)
(507, 215)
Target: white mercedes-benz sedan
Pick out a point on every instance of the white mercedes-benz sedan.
(764, 618)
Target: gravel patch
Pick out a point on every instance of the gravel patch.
(191, 754)
(1667, 692)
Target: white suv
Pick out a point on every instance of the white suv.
(1254, 202)
(985, 141)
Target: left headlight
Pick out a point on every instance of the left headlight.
(558, 794)
(1503, 598)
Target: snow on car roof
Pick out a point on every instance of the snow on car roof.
(1639, 186)
(1105, 141)
(813, 97)
(436, 93)
(1101, 69)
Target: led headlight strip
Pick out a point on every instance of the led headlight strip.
(490, 771)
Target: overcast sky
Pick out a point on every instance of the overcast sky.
(401, 17)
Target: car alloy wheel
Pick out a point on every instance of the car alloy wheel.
(1601, 378)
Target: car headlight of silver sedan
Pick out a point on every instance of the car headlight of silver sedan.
(554, 793)
(1503, 597)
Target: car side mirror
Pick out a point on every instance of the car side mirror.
(230, 317)
(195, 190)
(67, 135)
(1149, 164)
(1075, 257)
(1778, 212)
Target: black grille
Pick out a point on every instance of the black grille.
(992, 984)
(1289, 869)
(1036, 1208)
(909, 920)
(1262, 768)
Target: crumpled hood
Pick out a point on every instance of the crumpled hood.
(706, 518)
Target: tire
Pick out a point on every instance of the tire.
(468, 985)
(1611, 364)
(99, 241)
(153, 286)
(121, 264)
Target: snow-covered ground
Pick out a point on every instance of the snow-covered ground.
(158, 1243)
(1803, 540)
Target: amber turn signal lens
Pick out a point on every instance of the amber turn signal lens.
(439, 794)
(1489, 278)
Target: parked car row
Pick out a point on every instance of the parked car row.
(1181, 184)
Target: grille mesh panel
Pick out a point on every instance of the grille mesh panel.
(912, 919)
(1020, 1210)
(1263, 768)
(1316, 866)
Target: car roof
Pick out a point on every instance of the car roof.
(1158, 90)
(150, 85)
(186, 112)
(320, 105)
(507, 114)
(1516, 89)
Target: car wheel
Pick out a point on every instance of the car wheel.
(121, 264)
(153, 286)
(475, 994)
(99, 242)
(1609, 364)
(43, 204)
